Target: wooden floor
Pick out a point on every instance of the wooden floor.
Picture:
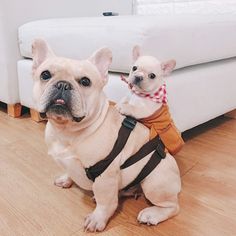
(31, 205)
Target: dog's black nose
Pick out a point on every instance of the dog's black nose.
(138, 79)
(63, 85)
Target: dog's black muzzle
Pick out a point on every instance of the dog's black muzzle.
(60, 101)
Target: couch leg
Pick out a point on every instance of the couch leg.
(35, 115)
(14, 110)
(231, 114)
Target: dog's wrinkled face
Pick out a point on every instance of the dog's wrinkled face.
(147, 73)
(65, 89)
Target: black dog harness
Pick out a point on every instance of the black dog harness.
(155, 145)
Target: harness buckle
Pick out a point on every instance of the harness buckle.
(129, 122)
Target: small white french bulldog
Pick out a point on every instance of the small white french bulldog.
(145, 79)
(82, 129)
(147, 101)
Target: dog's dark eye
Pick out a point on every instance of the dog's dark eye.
(45, 75)
(134, 68)
(84, 81)
(152, 76)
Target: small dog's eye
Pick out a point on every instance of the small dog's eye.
(84, 81)
(45, 75)
(152, 76)
(134, 68)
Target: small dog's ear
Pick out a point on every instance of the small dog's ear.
(136, 52)
(102, 59)
(168, 67)
(40, 52)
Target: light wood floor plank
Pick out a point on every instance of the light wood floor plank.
(31, 205)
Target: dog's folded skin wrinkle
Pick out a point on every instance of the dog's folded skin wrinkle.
(78, 119)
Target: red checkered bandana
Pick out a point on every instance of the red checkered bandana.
(160, 96)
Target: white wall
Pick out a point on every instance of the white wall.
(167, 7)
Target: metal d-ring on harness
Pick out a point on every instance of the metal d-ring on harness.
(155, 145)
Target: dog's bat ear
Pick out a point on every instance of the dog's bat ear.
(136, 52)
(102, 59)
(168, 66)
(40, 52)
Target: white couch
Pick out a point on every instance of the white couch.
(202, 88)
(15, 13)
(202, 42)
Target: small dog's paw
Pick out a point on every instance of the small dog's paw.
(149, 216)
(123, 108)
(63, 181)
(94, 222)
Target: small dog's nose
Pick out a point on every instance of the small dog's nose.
(138, 79)
(63, 85)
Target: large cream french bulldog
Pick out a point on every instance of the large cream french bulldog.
(82, 129)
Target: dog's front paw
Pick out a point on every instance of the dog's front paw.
(95, 222)
(63, 181)
(123, 108)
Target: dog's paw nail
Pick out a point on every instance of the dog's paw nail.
(93, 199)
(118, 107)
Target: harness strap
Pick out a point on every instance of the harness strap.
(94, 171)
(155, 145)
(150, 146)
(147, 169)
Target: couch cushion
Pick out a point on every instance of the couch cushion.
(189, 39)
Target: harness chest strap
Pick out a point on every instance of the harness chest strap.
(154, 160)
(155, 145)
(127, 126)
